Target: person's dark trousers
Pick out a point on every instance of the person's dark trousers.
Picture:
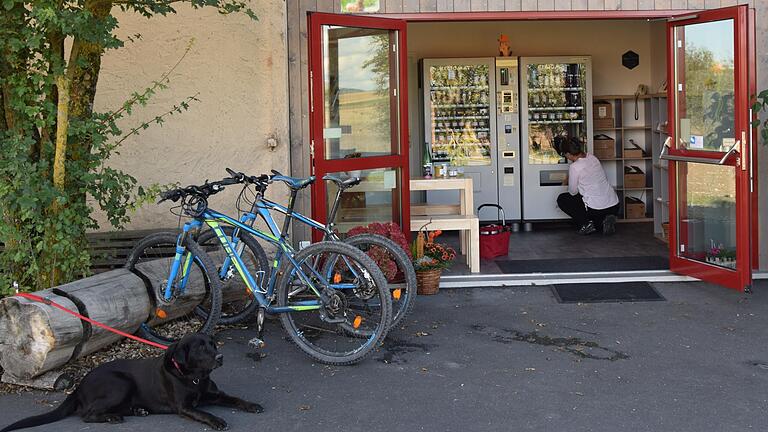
(573, 206)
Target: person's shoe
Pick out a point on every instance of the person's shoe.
(588, 228)
(609, 225)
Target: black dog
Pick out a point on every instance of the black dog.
(176, 383)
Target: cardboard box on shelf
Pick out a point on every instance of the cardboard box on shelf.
(602, 110)
(605, 147)
(634, 178)
(632, 152)
(604, 123)
(633, 208)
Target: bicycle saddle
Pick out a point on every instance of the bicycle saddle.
(343, 183)
(293, 182)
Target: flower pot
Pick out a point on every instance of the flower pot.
(428, 281)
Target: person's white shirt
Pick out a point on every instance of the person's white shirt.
(586, 177)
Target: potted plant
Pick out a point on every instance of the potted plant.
(380, 256)
(429, 260)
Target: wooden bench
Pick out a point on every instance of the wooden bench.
(469, 225)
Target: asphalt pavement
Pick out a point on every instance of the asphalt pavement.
(505, 359)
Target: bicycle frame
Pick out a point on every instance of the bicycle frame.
(233, 249)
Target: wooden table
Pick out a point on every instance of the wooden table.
(464, 220)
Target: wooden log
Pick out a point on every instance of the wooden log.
(54, 380)
(35, 337)
(116, 298)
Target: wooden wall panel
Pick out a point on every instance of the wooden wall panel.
(461, 5)
(478, 5)
(394, 6)
(428, 5)
(495, 5)
(579, 4)
(546, 5)
(410, 6)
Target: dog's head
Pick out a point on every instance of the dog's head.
(194, 354)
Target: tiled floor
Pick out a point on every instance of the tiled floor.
(559, 240)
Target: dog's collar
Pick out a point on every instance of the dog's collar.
(195, 381)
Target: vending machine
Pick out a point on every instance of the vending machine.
(555, 95)
(460, 125)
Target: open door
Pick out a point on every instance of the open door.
(709, 151)
(359, 117)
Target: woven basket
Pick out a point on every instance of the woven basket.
(428, 281)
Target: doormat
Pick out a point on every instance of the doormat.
(606, 292)
(575, 265)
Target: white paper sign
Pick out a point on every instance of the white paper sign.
(697, 142)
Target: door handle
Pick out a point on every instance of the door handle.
(666, 156)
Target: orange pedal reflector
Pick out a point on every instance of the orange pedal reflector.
(358, 320)
(337, 278)
(396, 293)
(161, 313)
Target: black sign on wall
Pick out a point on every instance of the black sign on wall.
(630, 59)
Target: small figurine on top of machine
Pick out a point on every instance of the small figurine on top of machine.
(504, 49)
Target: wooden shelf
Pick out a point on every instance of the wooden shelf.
(632, 96)
(634, 189)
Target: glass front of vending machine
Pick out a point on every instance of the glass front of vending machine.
(460, 125)
(556, 94)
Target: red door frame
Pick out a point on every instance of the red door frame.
(320, 165)
(740, 278)
(578, 15)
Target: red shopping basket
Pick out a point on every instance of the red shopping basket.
(494, 238)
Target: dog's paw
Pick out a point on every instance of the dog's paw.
(253, 408)
(219, 424)
(140, 412)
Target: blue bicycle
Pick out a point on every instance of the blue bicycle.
(237, 305)
(331, 297)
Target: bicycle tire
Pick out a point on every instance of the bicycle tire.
(236, 310)
(403, 306)
(300, 335)
(162, 246)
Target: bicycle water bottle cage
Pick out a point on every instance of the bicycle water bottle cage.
(294, 183)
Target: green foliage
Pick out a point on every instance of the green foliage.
(43, 221)
(760, 105)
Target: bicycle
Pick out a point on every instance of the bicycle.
(403, 294)
(328, 295)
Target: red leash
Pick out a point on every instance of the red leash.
(85, 318)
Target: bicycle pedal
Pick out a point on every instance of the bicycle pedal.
(256, 343)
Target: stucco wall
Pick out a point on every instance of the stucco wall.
(238, 67)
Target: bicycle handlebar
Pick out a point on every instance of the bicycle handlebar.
(202, 191)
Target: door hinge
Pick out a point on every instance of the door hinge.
(394, 47)
(682, 248)
(394, 92)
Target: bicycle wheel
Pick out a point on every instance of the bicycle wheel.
(400, 275)
(357, 314)
(238, 302)
(170, 319)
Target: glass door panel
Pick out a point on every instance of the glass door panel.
(460, 118)
(709, 159)
(361, 116)
(706, 88)
(706, 201)
(375, 199)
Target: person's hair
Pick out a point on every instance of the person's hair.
(570, 145)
